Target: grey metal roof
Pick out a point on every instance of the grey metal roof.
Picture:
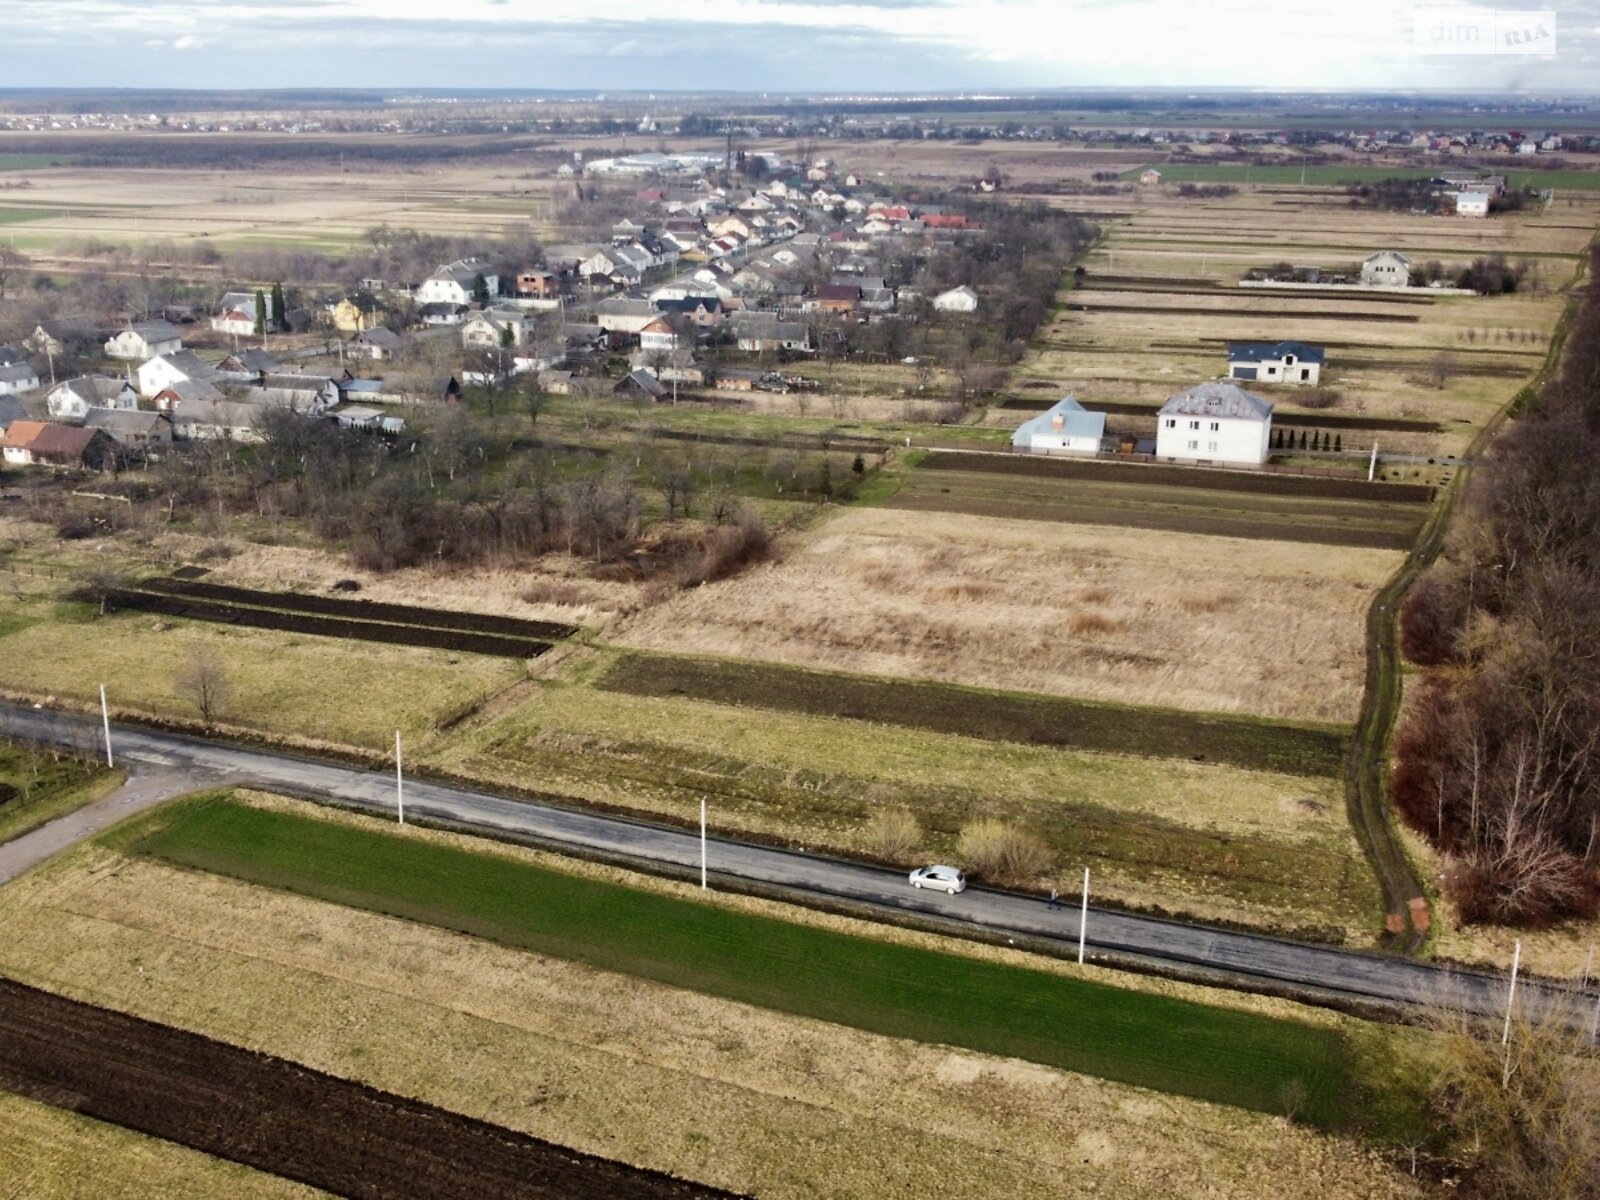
(18, 373)
(1218, 399)
(1076, 422)
(1273, 351)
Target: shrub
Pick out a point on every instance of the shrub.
(894, 834)
(1432, 617)
(1000, 852)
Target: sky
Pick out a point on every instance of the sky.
(849, 46)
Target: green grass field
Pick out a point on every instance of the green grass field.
(1333, 176)
(1222, 1055)
(16, 216)
(10, 161)
(1294, 749)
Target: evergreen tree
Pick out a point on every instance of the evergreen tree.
(1316, 440)
(1302, 439)
(1338, 443)
(480, 288)
(859, 466)
(261, 313)
(280, 310)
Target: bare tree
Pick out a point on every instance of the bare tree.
(203, 681)
(11, 261)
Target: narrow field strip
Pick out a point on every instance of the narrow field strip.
(1291, 749)
(364, 610)
(1174, 510)
(1223, 1055)
(217, 612)
(286, 1119)
(1254, 482)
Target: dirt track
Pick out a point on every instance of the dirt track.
(283, 1118)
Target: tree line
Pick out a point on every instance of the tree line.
(1498, 758)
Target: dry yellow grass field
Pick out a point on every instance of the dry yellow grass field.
(1135, 616)
(51, 1154)
(781, 1106)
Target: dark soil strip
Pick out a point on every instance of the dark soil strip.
(1308, 420)
(280, 1117)
(993, 716)
(1233, 314)
(195, 609)
(1194, 521)
(789, 441)
(1189, 477)
(365, 610)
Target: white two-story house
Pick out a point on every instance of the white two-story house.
(1215, 422)
(456, 282)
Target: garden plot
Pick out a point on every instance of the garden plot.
(1134, 616)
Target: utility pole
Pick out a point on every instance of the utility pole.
(1511, 996)
(105, 719)
(1083, 916)
(399, 782)
(1372, 467)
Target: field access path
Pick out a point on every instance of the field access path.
(1253, 962)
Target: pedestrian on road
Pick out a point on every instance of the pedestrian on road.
(1055, 898)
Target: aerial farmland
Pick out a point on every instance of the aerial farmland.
(504, 779)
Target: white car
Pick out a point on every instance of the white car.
(948, 879)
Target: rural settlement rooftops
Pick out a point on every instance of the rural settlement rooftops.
(46, 438)
(1273, 352)
(1215, 399)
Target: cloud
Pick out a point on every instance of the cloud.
(857, 46)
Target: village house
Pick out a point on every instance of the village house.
(838, 298)
(493, 328)
(640, 385)
(167, 369)
(658, 337)
(1214, 423)
(17, 377)
(622, 315)
(705, 312)
(309, 394)
(373, 344)
(539, 285)
(1472, 204)
(357, 313)
(198, 420)
(48, 444)
(760, 333)
(133, 431)
(1275, 362)
(957, 300)
(143, 340)
(76, 398)
(246, 365)
(1386, 268)
(236, 315)
(443, 313)
(1066, 428)
(1149, 177)
(457, 282)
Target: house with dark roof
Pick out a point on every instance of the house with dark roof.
(375, 344)
(59, 335)
(1214, 422)
(166, 369)
(130, 430)
(75, 399)
(1275, 362)
(17, 377)
(47, 443)
(640, 385)
(143, 340)
(1066, 428)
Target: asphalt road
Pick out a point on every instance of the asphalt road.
(1244, 960)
